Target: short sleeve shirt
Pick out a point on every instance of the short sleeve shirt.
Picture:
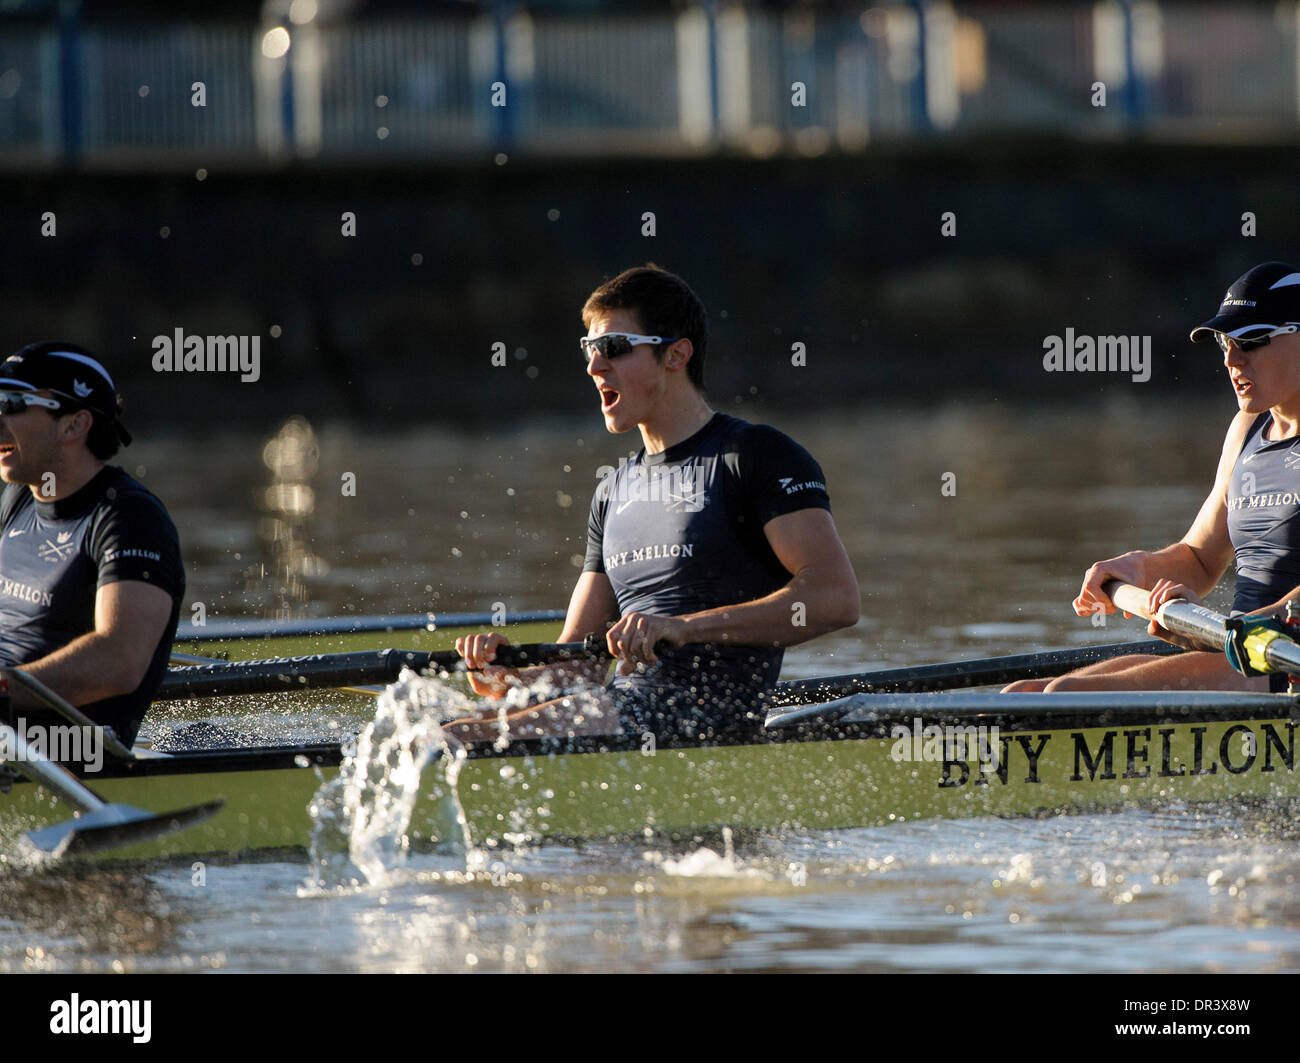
(55, 555)
(682, 531)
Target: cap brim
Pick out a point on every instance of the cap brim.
(1228, 324)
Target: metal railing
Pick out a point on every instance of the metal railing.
(703, 79)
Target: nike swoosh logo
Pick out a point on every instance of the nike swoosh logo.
(16, 531)
(624, 506)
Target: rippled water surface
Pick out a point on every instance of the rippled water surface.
(459, 522)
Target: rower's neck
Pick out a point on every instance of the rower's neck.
(678, 423)
(68, 478)
(1286, 422)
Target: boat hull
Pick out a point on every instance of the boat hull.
(814, 776)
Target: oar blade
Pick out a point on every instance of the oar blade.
(114, 826)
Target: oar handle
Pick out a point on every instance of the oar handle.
(1201, 625)
(1129, 598)
(278, 674)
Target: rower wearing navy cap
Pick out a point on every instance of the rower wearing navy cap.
(91, 580)
(1251, 516)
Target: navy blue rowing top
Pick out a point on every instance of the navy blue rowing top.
(1264, 517)
(55, 555)
(682, 531)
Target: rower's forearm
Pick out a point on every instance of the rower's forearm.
(1183, 564)
(801, 610)
(87, 669)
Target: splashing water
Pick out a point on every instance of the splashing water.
(361, 817)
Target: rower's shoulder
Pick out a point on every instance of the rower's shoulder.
(743, 433)
(123, 492)
(1239, 430)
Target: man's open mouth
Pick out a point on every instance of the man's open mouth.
(608, 396)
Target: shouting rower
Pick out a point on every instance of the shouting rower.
(91, 580)
(708, 552)
(1252, 514)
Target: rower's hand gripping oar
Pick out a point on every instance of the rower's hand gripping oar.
(278, 674)
(99, 825)
(1253, 645)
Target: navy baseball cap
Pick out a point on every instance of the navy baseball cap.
(71, 372)
(1261, 300)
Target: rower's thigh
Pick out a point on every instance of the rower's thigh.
(1185, 671)
(1106, 667)
(1117, 664)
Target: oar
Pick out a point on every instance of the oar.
(956, 674)
(223, 630)
(68, 711)
(382, 666)
(189, 659)
(99, 825)
(279, 674)
(1203, 626)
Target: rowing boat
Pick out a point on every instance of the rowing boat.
(862, 761)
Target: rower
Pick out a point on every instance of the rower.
(708, 551)
(1252, 514)
(91, 580)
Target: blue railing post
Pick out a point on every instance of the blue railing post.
(1134, 89)
(920, 92)
(503, 123)
(71, 81)
(715, 101)
(287, 121)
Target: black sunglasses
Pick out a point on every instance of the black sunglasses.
(13, 402)
(1224, 340)
(614, 344)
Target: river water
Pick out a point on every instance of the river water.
(969, 527)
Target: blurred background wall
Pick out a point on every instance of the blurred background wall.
(919, 193)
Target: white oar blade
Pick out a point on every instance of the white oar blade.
(113, 826)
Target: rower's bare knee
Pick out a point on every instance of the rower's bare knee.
(1025, 686)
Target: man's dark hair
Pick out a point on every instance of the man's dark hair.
(102, 438)
(664, 305)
